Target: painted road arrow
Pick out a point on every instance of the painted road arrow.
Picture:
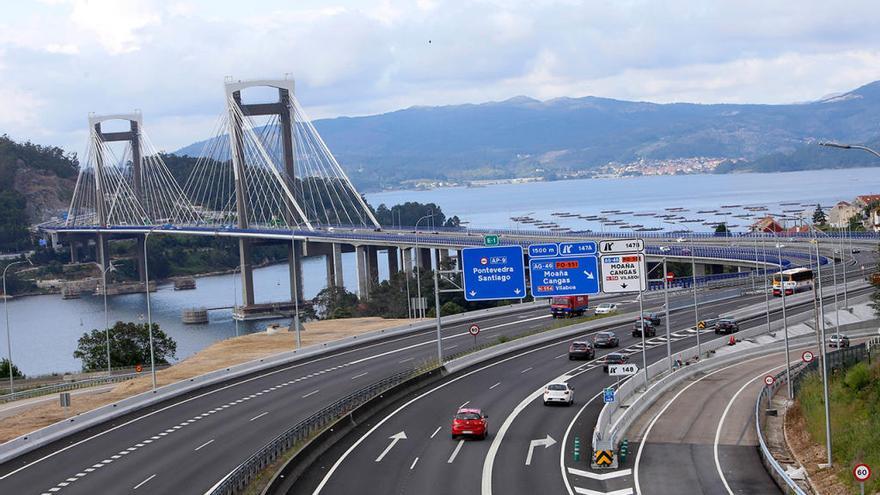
(541, 442)
(394, 439)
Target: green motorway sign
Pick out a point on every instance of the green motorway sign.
(490, 240)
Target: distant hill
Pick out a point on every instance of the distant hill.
(34, 182)
(517, 136)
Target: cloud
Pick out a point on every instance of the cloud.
(169, 57)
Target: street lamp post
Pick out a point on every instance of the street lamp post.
(235, 298)
(419, 268)
(694, 287)
(295, 290)
(784, 320)
(820, 323)
(437, 313)
(104, 271)
(6, 307)
(149, 310)
(664, 250)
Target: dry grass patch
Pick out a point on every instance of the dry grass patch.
(217, 356)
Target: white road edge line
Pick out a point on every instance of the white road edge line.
(493, 386)
(142, 483)
(436, 431)
(721, 425)
(355, 377)
(313, 392)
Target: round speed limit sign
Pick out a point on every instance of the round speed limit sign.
(768, 380)
(862, 472)
(807, 356)
(474, 329)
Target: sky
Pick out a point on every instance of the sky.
(62, 59)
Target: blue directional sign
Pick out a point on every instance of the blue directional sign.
(608, 395)
(493, 273)
(564, 276)
(543, 250)
(578, 248)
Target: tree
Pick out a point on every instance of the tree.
(819, 216)
(335, 302)
(129, 346)
(4, 370)
(721, 228)
(855, 223)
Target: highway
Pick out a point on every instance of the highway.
(195, 440)
(508, 390)
(187, 444)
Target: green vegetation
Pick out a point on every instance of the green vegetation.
(721, 228)
(409, 213)
(129, 346)
(855, 418)
(4, 370)
(14, 214)
(819, 216)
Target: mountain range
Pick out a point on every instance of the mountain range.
(522, 137)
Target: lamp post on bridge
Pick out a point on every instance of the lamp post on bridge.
(6, 307)
(104, 270)
(295, 290)
(820, 323)
(694, 287)
(664, 250)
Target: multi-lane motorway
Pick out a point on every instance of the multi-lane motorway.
(508, 390)
(187, 444)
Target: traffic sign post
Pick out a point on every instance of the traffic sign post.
(768, 380)
(608, 395)
(490, 240)
(493, 273)
(807, 356)
(474, 330)
(862, 473)
(623, 273)
(670, 276)
(569, 276)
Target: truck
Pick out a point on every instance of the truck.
(568, 306)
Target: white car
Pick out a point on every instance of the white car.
(560, 393)
(606, 308)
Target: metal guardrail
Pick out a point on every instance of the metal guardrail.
(241, 476)
(838, 359)
(65, 387)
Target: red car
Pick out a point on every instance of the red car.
(471, 422)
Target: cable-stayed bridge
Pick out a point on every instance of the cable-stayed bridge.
(268, 176)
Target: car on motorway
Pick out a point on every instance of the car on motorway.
(469, 421)
(558, 393)
(606, 339)
(606, 308)
(838, 341)
(581, 349)
(726, 325)
(650, 329)
(654, 318)
(614, 358)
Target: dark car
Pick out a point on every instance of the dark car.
(606, 339)
(650, 329)
(614, 358)
(725, 326)
(654, 318)
(581, 350)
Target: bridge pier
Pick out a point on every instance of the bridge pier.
(295, 253)
(102, 251)
(407, 261)
(700, 269)
(393, 263)
(247, 272)
(424, 258)
(363, 272)
(334, 266)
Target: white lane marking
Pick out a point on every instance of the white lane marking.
(724, 417)
(264, 375)
(394, 439)
(313, 392)
(526, 370)
(355, 377)
(455, 452)
(584, 491)
(561, 356)
(406, 360)
(466, 403)
(209, 442)
(414, 463)
(452, 346)
(258, 416)
(493, 386)
(436, 431)
(667, 406)
(142, 483)
(600, 476)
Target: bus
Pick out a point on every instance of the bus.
(795, 280)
